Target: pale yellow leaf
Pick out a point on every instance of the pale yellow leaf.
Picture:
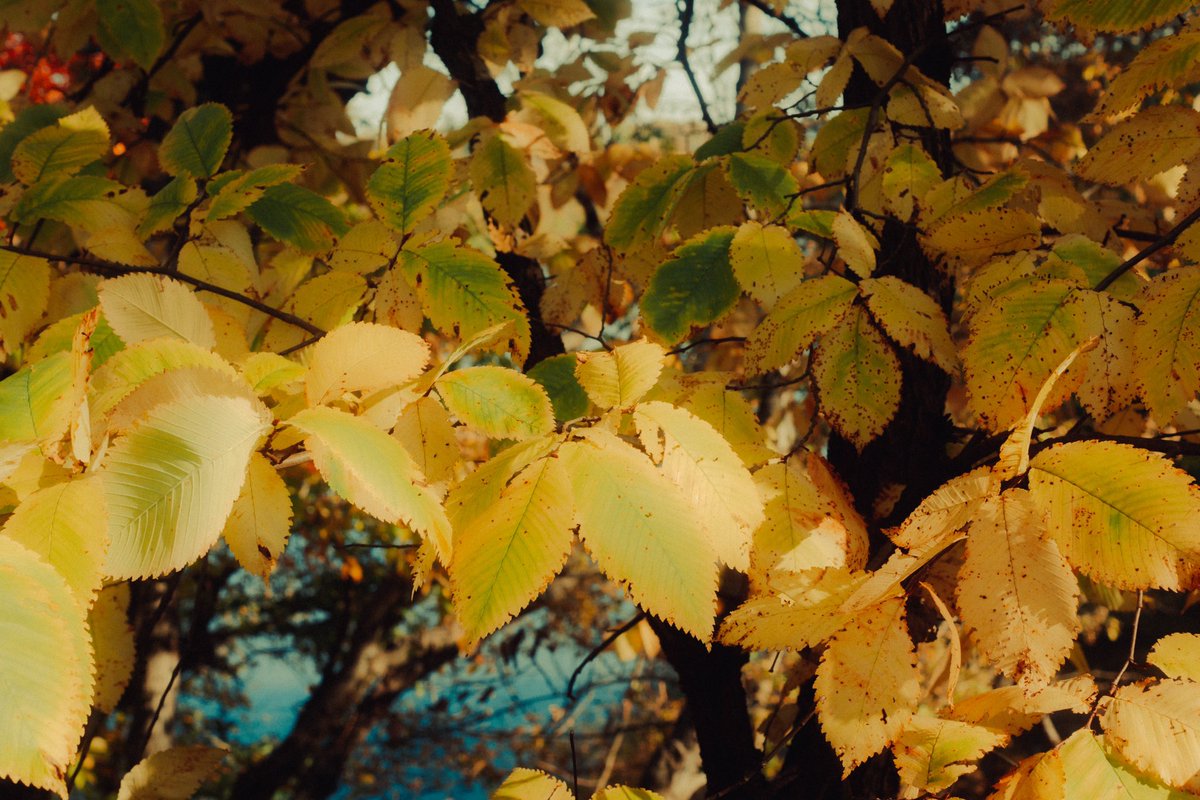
(799, 610)
(930, 753)
(258, 527)
(174, 774)
(363, 357)
(531, 784)
(1177, 655)
(1166, 343)
(425, 430)
(499, 402)
(621, 377)
(855, 244)
(1140, 148)
(140, 307)
(113, 642)
(808, 311)
(867, 685)
(1157, 727)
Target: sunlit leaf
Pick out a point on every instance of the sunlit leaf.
(501, 403)
(141, 307)
(1157, 727)
(174, 774)
(113, 642)
(258, 526)
(620, 378)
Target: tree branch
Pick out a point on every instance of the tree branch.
(1167, 240)
(686, 9)
(779, 16)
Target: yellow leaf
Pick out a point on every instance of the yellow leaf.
(1013, 709)
(620, 378)
(858, 377)
(425, 430)
(643, 531)
(363, 357)
(867, 685)
(499, 402)
(930, 752)
(507, 555)
(67, 525)
(135, 365)
(810, 520)
(374, 472)
(1172, 61)
(909, 175)
(1016, 593)
(625, 793)
(1140, 148)
(46, 662)
(766, 261)
(1177, 655)
(800, 610)
(113, 642)
(174, 774)
(950, 508)
(258, 527)
(1157, 727)
(808, 311)
(973, 237)
(1092, 770)
(1122, 515)
(140, 307)
(531, 784)
(503, 179)
(1109, 384)
(172, 481)
(1017, 342)
(912, 318)
(24, 293)
(699, 461)
(557, 13)
(326, 301)
(855, 244)
(1166, 343)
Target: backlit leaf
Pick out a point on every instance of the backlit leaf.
(374, 472)
(1140, 148)
(499, 402)
(239, 192)
(762, 182)
(24, 292)
(1166, 343)
(173, 479)
(174, 774)
(644, 209)
(1017, 594)
(975, 236)
(911, 318)
(800, 610)
(1172, 61)
(855, 245)
(425, 430)
(867, 684)
(621, 377)
(643, 531)
(506, 557)
(1157, 727)
(363, 357)
(141, 307)
(531, 784)
(808, 311)
(258, 526)
(718, 486)
(766, 261)
(412, 180)
(47, 668)
(909, 175)
(1121, 515)
(62, 149)
(930, 753)
(113, 643)
(1177, 655)
(557, 13)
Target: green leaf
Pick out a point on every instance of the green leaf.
(645, 208)
(909, 175)
(835, 141)
(24, 293)
(763, 182)
(643, 531)
(243, 189)
(1117, 16)
(505, 557)
(808, 311)
(1092, 770)
(298, 217)
(374, 472)
(1122, 515)
(196, 144)
(695, 288)
(63, 149)
(46, 662)
(35, 402)
(503, 180)
(27, 122)
(85, 201)
(465, 292)
(166, 206)
(499, 402)
(412, 180)
(556, 375)
(727, 139)
(858, 378)
(133, 28)
(172, 481)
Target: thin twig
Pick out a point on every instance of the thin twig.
(701, 342)
(109, 268)
(1167, 240)
(770, 11)
(162, 700)
(600, 648)
(686, 9)
(1129, 659)
(583, 333)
